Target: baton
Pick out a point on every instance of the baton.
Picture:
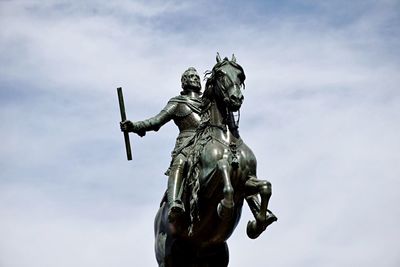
(123, 118)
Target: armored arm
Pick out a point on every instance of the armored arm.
(152, 124)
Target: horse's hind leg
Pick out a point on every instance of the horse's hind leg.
(263, 216)
(225, 207)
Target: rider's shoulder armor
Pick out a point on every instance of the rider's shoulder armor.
(182, 110)
(170, 108)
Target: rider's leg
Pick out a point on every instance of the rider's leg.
(175, 181)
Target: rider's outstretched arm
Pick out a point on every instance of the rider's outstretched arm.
(152, 124)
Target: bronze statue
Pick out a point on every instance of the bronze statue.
(184, 110)
(220, 173)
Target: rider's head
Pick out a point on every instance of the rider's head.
(191, 80)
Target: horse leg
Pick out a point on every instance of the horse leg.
(263, 217)
(225, 207)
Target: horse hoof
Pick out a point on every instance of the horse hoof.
(224, 212)
(270, 218)
(252, 230)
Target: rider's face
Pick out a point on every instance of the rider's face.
(193, 80)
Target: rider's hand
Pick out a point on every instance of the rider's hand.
(126, 126)
(135, 127)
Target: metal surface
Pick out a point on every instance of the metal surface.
(212, 171)
(123, 118)
(220, 176)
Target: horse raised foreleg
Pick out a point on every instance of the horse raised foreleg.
(263, 217)
(225, 207)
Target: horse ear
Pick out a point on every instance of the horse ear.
(233, 58)
(218, 58)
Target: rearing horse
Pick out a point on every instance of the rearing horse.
(221, 175)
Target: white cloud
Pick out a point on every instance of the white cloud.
(320, 112)
(38, 231)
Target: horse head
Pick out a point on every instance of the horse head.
(224, 84)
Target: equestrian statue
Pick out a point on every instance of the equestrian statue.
(212, 171)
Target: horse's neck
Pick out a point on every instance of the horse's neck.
(221, 131)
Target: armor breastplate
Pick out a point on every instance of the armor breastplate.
(184, 113)
(188, 122)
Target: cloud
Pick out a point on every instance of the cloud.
(320, 113)
(40, 231)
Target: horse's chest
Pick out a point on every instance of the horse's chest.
(239, 160)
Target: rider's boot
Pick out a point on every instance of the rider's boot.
(175, 180)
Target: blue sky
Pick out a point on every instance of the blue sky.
(321, 114)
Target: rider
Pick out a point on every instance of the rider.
(184, 110)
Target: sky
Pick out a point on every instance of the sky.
(321, 113)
